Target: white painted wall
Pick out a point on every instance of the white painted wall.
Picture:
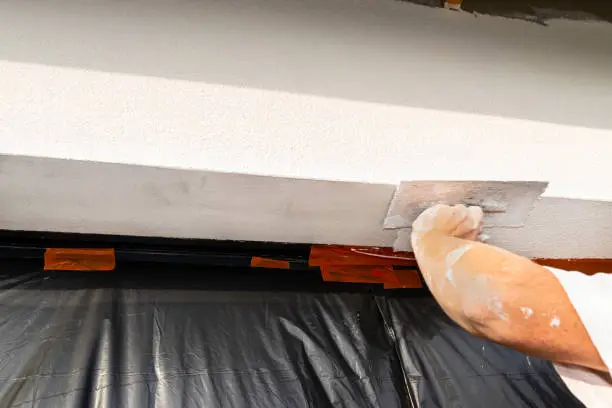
(354, 90)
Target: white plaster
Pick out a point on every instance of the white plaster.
(453, 257)
(555, 322)
(449, 276)
(527, 312)
(72, 196)
(402, 242)
(359, 90)
(426, 276)
(478, 295)
(483, 237)
(372, 92)
(394, 221)
(496, 306)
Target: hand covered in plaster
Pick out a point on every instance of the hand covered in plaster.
(453, 221)
(496, 294)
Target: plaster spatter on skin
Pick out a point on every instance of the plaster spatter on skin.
(527, 312)
(452, 258)
(426, 276)
(478, 296)
(555, 322)
(449, 276)
(496, 306)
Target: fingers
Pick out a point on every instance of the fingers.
(459, 224)
(426, 221)
(457, 221)
(473, 224)
(476, 214)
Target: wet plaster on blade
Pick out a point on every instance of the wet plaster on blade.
(402, 242)
(505, 203)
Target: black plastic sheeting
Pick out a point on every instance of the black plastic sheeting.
(116, 340)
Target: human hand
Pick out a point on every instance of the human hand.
(454, 221)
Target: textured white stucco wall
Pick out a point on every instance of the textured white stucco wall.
(362, 91)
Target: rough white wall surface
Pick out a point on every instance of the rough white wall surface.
(362, 90)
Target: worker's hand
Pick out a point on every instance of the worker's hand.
(456, 221)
